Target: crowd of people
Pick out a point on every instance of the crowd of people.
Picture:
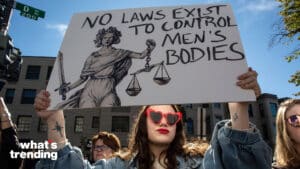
(157, 139)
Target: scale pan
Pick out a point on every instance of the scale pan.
(161, 80)
(133, 91)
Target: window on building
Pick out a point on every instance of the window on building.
(190, 126)
(261, 110)
(23, 123)
(274, 128)
(120, 124)
(209, 128)
(95, 122)
(217, 105)
(250, 110)
(9, 96)
(218, 118)
(42, 126)
(273, 107)
(33, 72)
(190, 106)
(78, 124)
(120, 109)
(28, 96)
(49, 72)
(205, 105)
(265, 131)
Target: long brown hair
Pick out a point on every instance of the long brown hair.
(138, 144)
(285, 153)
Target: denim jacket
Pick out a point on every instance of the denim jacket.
(230, 149)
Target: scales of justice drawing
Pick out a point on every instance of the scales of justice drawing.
(161, 76)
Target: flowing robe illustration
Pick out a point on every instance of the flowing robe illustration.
(103, 73)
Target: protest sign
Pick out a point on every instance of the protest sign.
(161, 55)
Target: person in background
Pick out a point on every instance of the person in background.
(9, 140)
(157, 140)
(104, 145)
(287, 149)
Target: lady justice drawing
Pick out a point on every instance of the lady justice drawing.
(103, 70)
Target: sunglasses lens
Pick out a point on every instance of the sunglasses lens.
(294, 120)
(172, 118)
(155, 116)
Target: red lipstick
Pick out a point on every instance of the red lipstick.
(163, 131)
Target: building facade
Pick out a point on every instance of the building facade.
(81, 125)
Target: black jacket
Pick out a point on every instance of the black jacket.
(9, 141)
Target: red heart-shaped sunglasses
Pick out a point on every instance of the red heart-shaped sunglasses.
(156, 116)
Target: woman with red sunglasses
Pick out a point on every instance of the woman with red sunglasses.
(287, 149)
(158, 140)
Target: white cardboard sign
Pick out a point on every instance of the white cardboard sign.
(165, 55)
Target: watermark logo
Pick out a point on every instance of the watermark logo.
(36, 150)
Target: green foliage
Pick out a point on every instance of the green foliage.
(290, 12)
(295, 78)
(293, 56)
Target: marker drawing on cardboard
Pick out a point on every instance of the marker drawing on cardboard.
(183, 54)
